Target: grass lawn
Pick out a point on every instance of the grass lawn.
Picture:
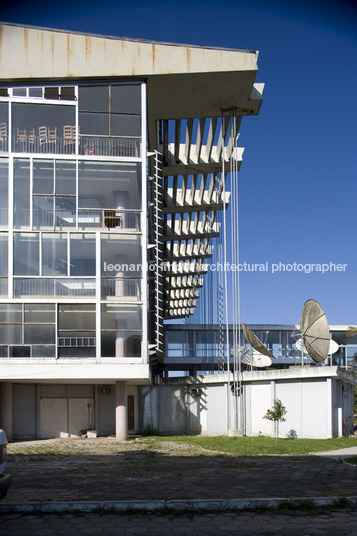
(255, 446)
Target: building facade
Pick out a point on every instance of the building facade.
(111, 156)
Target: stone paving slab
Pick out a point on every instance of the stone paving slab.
(338, 523)
(103, 469)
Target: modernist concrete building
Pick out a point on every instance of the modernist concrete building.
(111, 154)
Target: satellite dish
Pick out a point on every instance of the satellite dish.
(300, 346)
(255, 342)
(254, 358)
(315, 331)
(333, 347)
(260, 360)
(251, 357)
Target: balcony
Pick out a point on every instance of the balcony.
(54, 288)
(50, 143)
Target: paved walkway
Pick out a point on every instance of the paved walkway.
(340, 454)
(105, 470)
(245, 524)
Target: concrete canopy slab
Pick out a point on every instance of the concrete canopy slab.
(177, 75)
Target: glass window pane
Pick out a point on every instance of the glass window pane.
(35, 92)
(109, 185)
(65, 177)
(34, 287)
(54, 254)
(38, 313)
(43, 177)
(10, 313)
(95, 124)
(4, 115)
(74, 288)
(40, 127)
(4, 171)
(39, 334)
(19, 92)
(67, 93)
(19, 351)
(26, 254)
(121, 344)
(43, 351)
(3, 254)
(11, 334)
(121, 255)
(42, 211)
(120, 289)
(93, 98)
(21, 193)
(121, 317)
(126, 98)
(76, 351)
(65, 211)
(51, 92)
(126, 125)
(79, 317)
(4, 128)
(82, 251)
(3, 287)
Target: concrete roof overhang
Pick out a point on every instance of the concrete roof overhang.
(183, 81)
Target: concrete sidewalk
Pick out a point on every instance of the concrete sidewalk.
(340, 454)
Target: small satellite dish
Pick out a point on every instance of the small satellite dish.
(251, 357)
(315, 331)
(255, 342)
(333, 347)
(256, 359)
(300, 346)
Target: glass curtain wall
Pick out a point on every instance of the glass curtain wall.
(71, 200)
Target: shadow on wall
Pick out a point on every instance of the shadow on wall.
(174, 409)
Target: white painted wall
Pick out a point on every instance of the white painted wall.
(216, 410)
(260, 401)
(311, 395)
(24, 411)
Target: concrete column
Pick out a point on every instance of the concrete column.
(6, 420)
(121, 201)
(119, 284)
(121, 411)
(120, 350)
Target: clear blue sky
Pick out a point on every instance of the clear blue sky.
(298, 181)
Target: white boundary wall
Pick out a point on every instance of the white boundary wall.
(319, 403)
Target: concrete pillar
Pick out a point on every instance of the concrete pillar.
(6, 420)
(119, 284)
(120, 337)
(121, 411)
(121, 201)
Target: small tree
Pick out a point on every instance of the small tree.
(276, 414)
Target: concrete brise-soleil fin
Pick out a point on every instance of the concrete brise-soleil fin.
(315, 331)
(255, 342)
(193, 194)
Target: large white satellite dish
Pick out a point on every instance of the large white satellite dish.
(315, 331)
(333, 347)
(300, 345)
